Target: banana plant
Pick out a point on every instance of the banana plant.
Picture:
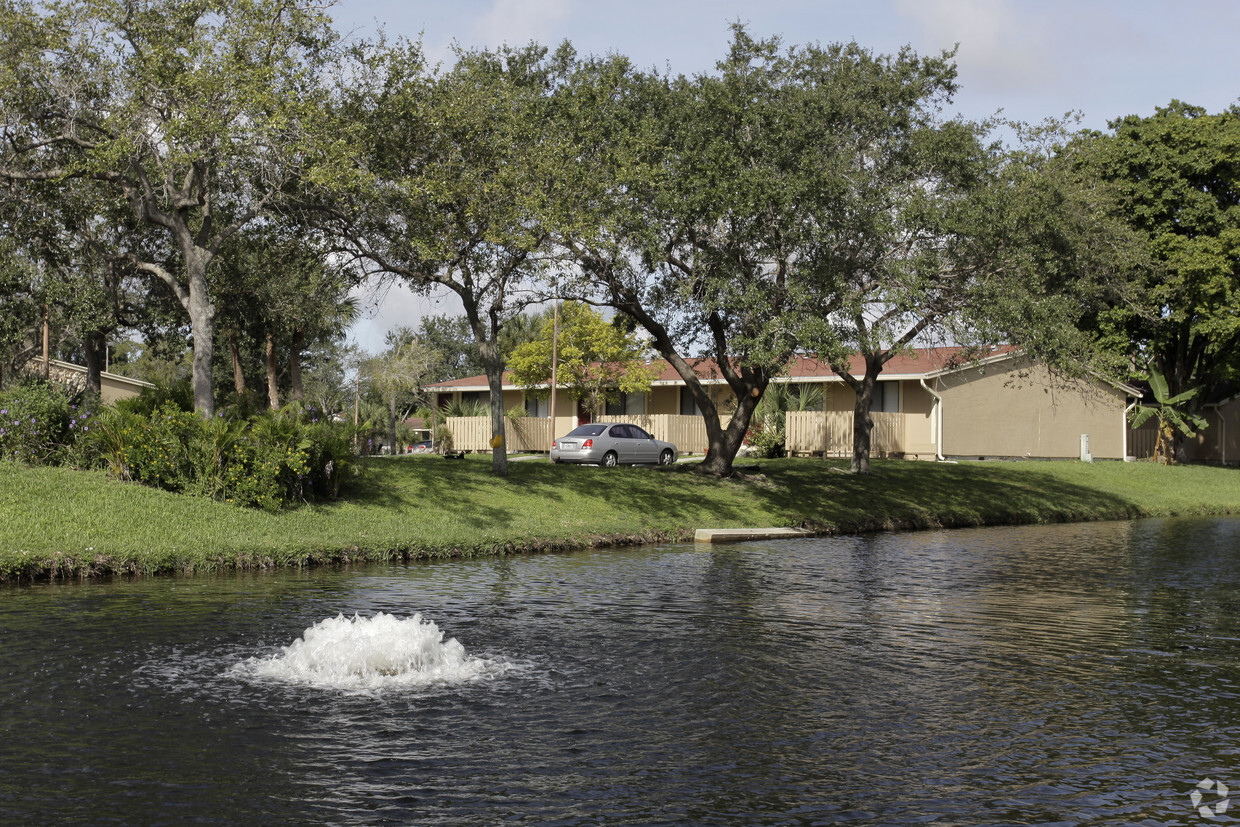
(1172, 413)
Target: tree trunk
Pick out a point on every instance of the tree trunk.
(392, 425)
(238, 372)
(493, 363)
(863, 424)
(719, 451)
(202, 327)
(94, 346)
(722, 444)
(47, 350)
(294, 365)
(273, 384)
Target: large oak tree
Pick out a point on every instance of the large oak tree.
(196, 113)
(720, 206)
(449, 189)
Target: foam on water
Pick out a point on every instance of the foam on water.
(368, 653)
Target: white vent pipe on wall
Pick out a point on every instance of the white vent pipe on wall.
(1127, 411)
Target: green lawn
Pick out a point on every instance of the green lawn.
(56, 522)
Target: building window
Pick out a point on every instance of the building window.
(886, 397)
(688, 405)
(535, 406)
(629, 404)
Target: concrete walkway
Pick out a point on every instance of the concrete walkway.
(736, 535)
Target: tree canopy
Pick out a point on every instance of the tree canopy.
(595, 360)
(459, 200)
(734, 211)
(1176, 175)
(197, 114)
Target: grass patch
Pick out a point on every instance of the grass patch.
(60, 523)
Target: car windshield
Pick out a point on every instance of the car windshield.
(587, 430)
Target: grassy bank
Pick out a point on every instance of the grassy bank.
(60, 523)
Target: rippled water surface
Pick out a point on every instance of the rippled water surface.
(1067, 674)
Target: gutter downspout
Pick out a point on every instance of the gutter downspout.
(1127, 411)
(938, 420)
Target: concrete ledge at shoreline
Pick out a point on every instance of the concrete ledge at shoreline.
(737, 535)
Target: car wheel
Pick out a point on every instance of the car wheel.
(609, 460)
(666, 457)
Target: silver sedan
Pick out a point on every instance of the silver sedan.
(611, 444)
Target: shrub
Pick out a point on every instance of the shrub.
(179, 394)
(39, 422)
(766, 441)
(159, 454)
(443, 439)
(269, 461)
(109, 437)
(330, 460)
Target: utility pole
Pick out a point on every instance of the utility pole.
(357, 402)
(47, 352)
(555, 341)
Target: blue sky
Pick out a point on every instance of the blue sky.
(1031, 58)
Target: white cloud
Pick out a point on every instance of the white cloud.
(517, 22)
(1003, 44)
(385, 308)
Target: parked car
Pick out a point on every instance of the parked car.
(424, 447)
(612, 443)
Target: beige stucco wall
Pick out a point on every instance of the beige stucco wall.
(112, 390)
(665, 399)
(111, 386)
(995, 411)
(917, 405)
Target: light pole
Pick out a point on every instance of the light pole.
(555, 341)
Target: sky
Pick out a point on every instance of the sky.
(1029, 59)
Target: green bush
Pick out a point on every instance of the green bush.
(40, 424)
(443, 439)
(270, 461)
(159, 447)
(765, 441)
(179, 394)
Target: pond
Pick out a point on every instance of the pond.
(1077, 674)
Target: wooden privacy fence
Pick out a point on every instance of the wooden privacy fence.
(808, 432)
(473, 433)
(687, 433)
(1141, 441)
(831, 433)
(523, 433)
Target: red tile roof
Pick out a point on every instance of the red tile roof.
(910, 364)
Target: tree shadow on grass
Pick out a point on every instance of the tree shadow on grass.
(904, 494)
(539, 501)
(467, 490)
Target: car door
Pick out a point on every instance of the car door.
(621, 443)
(645, 449)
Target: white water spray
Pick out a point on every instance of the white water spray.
(369, 653)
